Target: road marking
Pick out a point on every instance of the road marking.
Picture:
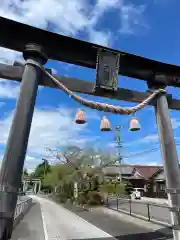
(44, 224)
(43, 219)
(71, 225)
(97, 232)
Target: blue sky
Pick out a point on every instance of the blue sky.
(148, 28)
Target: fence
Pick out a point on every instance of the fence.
(144, 210)
(21, 209)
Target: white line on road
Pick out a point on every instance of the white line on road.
(44, 225)
(61, 223)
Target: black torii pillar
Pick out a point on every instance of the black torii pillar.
(13, 160)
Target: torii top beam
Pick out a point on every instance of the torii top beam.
(16, 35)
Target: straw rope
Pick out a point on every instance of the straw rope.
(97, 105)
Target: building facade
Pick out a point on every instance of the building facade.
(149, 178)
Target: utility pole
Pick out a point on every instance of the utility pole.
(13, 160)
(170, 160)
(118, 145)
(45, 166)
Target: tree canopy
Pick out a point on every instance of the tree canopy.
(42, 169)
(74, 164)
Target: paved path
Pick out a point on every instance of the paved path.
(47, 220)
(31, 226)
(141, 208)
(155, 200)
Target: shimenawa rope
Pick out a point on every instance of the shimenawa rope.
(97, 105)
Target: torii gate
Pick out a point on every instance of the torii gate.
(37, 46)
(36, 182)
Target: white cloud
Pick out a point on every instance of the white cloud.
(102, 38)
(69, 18)
(175, 123)
(132, 18)
(50, 128)
(65, 17)
(150, 138)
(9, 89)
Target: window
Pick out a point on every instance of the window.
(161, 186)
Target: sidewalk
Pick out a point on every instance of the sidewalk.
(60, 223)
(155, 200)
(31, 226)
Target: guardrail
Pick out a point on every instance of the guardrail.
(21, 209)
(147, 211)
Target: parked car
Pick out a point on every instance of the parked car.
(137, 193)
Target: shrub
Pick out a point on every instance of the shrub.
(115, 188)
(93, 202)
(129, 188)
(61, 197)
(82, 198)
(95, 198)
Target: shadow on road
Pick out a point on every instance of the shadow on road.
(138, 236)
(156, 235)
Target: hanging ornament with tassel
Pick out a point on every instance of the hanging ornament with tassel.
(80, 118)
(105, 125)
(134, 125)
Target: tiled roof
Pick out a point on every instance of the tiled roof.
(147, 171)
(113, 169)
(144, 170)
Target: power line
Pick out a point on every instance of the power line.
(148, 151)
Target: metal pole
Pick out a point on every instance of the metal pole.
(45, 162)
(170, 160)
(39, 190)
(13, 160)
(118, 142)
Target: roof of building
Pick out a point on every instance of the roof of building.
(115, 169)
(147, 171)
(144, 170)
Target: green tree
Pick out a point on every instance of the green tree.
(42, 169)
(56, 175)
(83, 166)
(25, 172)
(128, 188)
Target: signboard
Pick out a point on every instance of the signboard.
(107, 69)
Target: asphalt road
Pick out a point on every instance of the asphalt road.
(120, 229)
(159, 213)
(31, 226)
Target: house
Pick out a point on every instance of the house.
(113, 172)
(140, 176)
(159, 184)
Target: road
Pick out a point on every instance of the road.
(141, 208)
(47, 220)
